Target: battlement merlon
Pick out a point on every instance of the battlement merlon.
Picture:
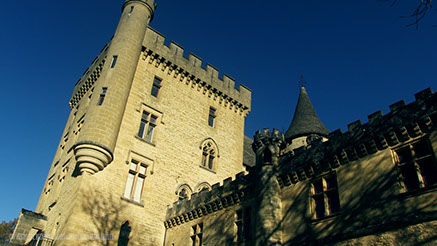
(192, 66)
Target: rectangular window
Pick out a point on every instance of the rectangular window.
(135, 181)
(156, 86)
(102, 96)
(325, 196)
(114, 60)
(196, 234)
(211, 117)
(243, 225)
(147, 126)
(416, 164)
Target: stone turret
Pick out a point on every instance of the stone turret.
(95, 146)
(306, 125)
(267, 146)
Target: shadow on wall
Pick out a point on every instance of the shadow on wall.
(105, 214)
(371, 206)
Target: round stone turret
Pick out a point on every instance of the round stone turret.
(102, 121)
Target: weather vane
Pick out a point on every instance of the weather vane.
(302, 82)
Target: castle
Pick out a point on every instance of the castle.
(154, 153)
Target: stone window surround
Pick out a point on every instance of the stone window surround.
(144, 107)
(329, 194)
(148, 164)
(414, 163)
(211, 148)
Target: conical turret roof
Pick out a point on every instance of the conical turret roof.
(305, 120)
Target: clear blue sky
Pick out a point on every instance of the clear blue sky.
(357, 56)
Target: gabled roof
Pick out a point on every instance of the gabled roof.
(305, 120)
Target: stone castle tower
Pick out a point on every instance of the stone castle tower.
(154, 153)
(147, 127)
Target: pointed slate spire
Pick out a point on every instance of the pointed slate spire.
(305, 120)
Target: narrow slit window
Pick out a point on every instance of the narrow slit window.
(211, 117)
(102, 96)
(114, 60)
(156, 86)
(131, 10)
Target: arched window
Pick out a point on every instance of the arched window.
(202, 186)
(123, 237)
(209, 154)
(183, 192)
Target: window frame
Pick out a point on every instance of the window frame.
(102, 96)
(137, 175)
(324, 196)
(243, 224)
(417, 163)
(209, 154)
(142, 161)
(146, 124)
(212, 114)
(156, 86)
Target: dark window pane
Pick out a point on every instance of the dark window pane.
(141, 130)
(421, 149)
(145, 116)
(318, 186)
(320, 206)
(155, 90)
(157, 81)
(334, 202)
(239, 214)
(153, 119)
(211, 162)
(331, 182)
(211, 121)
(411, 180)
(404, 155)
(428, 170)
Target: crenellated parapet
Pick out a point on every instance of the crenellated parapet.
(402, 123)
(190, 70)
(88, 79)
(206, 202)
(267, 137)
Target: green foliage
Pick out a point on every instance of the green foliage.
(6, 229)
